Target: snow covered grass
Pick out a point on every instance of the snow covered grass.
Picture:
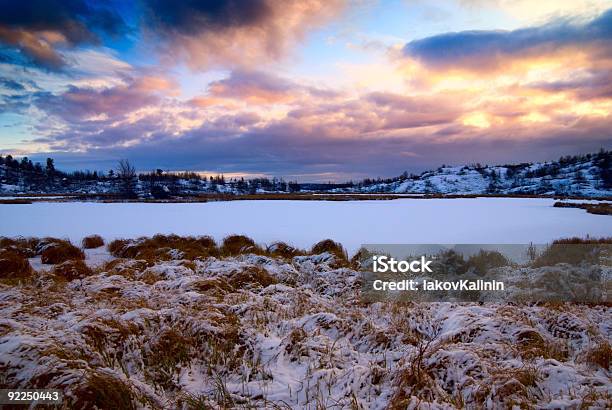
(252, 331)
(303, 223)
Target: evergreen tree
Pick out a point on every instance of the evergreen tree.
(50, 166)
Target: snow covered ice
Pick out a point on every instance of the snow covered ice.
(303, 223)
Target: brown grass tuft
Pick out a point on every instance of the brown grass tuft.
(160, 247)
(327, 245)
(116, 247)
(170, 349)
(252, 275)
(104, 391)
(531, 345)
(92, 241)
(239, 244)
(14, 265)
(72, 269)
(600, 355)
(60, 251)
(27, 247)
(283, 250)
(212, 286)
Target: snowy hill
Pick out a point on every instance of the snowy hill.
(585, 175)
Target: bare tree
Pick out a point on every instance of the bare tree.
(127, 177)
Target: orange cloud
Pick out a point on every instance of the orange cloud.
(235, 33)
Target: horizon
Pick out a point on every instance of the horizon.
(310, 91)
(238, 176)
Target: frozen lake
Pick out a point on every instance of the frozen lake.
(302, 223)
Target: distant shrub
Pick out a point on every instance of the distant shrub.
(14, 265)
(327, 245)
(92, 241)
(584, 241)
(239, 244)
(72, 269)
(574, 251)
(283, 250)
(61, 251)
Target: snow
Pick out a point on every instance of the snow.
(580, 177)
(303, 343)
(303, 223)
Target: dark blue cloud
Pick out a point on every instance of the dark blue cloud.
(11, 84)
(192, 17)
(23, 25)
(488, 49)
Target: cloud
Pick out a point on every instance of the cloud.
(38, 29)
(227, 33)
(283, 150)
(84, 104)
(12, 85)
(594, 84)
(491, 50)
(238, 33)
(259, 87)
(254, 86)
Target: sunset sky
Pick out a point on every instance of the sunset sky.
(315, 90)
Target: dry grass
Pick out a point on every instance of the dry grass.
(600, 355)
(103, 390)
(573, 251)
(213, 337)
(601, 208)
(92, 242)
(283, 250)
(128, 268)
(532, 345)
(251, 276)
(239, 244)
(72, 269)
(170, 349)
(159, 246)
(59, 251)
(212, 286)
(14, 265)
(483, 261)
(328, 245)
(24, 246)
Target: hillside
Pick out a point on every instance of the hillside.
(587, 175)
(583, 175)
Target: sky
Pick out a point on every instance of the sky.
(313, 90)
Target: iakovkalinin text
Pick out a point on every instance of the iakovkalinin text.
(385, 264)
